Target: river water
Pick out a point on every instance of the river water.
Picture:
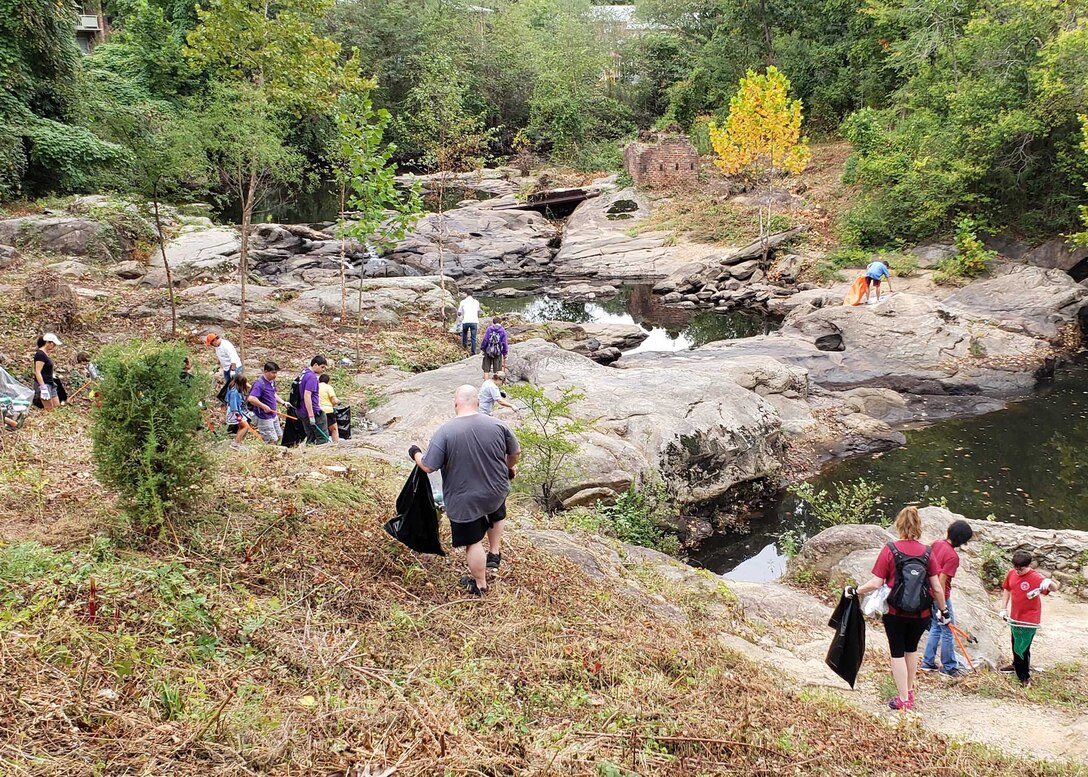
(1027, 464)
(669, 329)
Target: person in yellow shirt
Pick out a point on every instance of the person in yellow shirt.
(326, 397)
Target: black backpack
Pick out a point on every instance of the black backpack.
(910, 595)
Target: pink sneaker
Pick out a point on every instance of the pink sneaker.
(901, 706)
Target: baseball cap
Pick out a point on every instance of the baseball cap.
(49, 337)
(499, 375)
(210, 338)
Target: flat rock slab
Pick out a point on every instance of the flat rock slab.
(384, 300)
(595, 246)
(703, 435)
(196, 247)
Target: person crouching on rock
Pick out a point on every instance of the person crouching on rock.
(876, 271)
(909, 569)
(477, 455)
(491, 394)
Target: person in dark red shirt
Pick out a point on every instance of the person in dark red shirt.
(904, 630)
(948, 562)
(1022, 606)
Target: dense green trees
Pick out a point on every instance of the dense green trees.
(985, 122)
(955, 107)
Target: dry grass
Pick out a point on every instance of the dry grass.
(1063, 685)
(710, 213)
(294, 637)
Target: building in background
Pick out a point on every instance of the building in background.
(90, 29)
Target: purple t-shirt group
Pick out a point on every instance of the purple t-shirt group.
(265, 391)
(309, 382)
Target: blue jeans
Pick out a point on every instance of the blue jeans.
(465, 329)
(942, 634)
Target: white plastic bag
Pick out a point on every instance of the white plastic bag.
(876, 602)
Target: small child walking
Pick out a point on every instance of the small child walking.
(1022, 607)
(237, 415)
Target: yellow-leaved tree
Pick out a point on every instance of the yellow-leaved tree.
(762, 137)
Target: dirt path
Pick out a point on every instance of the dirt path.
(1014, 726)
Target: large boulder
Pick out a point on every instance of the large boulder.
(704, 434)
(1054, 549)
(384, 300)
(479, 238)
(596, 243)
(821, 554)
(907, 343)
(1024, 299)
(198, 257)
(66, 235)
(585, 339)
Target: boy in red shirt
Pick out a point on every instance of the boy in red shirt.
(1022, 606)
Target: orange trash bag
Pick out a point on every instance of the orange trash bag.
(856, 293)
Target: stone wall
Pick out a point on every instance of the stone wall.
(663, 163)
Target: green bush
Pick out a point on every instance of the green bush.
(994, 564)
(973, 258)
(903, 265)
(638, 516)
(548, 438)
(146, 433)
(847, 503)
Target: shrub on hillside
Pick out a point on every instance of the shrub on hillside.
(55, 305)
(549, 439)
(147, 433)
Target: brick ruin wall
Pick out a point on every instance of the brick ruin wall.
(661, 165)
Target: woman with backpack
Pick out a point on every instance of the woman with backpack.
(908, 568)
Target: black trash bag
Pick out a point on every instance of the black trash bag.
(343, 421)
(222, 395)
(848, 645)
(416, 522)
(294, 433)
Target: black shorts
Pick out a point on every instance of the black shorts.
(330, 421)
(904, 633)
(492, 364)
(464, 534)
(872, 281)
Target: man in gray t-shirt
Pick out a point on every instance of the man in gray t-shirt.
(477, 455)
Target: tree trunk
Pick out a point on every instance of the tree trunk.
(768, 36)
(243, 258)
(359, 320)
(765, 223)
(343, 258)
(442, 242)
(166, 265)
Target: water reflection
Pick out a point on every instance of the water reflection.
(1027, 464)
(669, 329)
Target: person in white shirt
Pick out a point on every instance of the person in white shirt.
(469, 313)
(227, 354)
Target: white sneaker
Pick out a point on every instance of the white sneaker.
(234, 446)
